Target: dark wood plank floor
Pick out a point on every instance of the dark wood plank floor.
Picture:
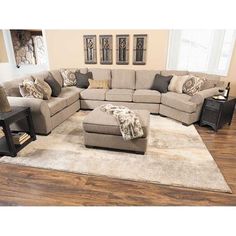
(32, 186)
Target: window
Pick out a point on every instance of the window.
(206, 51)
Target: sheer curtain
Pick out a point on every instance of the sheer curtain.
(206, 51)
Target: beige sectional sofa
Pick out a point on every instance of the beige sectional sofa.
(127, 87)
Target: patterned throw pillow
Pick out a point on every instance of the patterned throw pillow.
(28, 89)
(44, 88)
(193, 85)
(69, 77)
(98, 84)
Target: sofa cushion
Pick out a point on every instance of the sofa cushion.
(123, 79)
(12, 86)
(56, 74)
(56, 104)
(211, 81)
(173, 72)
(145, 78)
(101, 122)
(146, 96)
(100, 74)
(122, 95)
(70, 94)
(161, 83)
(41, 75)
(93, 94)
(178, 101)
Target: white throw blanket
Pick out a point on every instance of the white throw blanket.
(129, 123)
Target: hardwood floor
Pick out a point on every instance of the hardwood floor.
(32, 186)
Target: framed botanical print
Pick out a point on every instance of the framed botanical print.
(122, 49)
(90, 49)
(106, 46)
(139, 49)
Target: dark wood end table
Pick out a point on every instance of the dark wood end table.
(217, 113)
(7, 146)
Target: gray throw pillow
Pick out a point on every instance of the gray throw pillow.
(161, 83)
(55, 86)
(82, 80)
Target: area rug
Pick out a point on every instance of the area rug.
(176, 156)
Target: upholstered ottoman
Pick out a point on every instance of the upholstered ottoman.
(102, 130)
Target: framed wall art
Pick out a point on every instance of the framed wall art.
(122, 49)
(90, 49)
(105, 42)
(139, 49)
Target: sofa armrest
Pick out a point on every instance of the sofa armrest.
(199, 97)
(39, 110)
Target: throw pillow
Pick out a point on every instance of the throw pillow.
(161, 83)
(44, 88)
(28, 89)
(69, 77)
(56, 74)
(55, 86)
(193, 85)
(82, 79)
(98, 84)
(177, 82)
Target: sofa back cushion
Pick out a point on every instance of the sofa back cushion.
(123, 79)
(12, 86)
(211, 81)
(41, 75)
(173, 72)
(145, 78)
(100, 74)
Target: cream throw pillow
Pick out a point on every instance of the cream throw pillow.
(44, 88)
(98, 84)
(177, 82)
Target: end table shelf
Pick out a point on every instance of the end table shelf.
(7, 146)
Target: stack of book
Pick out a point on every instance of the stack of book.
(20, 137)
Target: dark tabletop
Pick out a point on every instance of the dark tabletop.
(229, 99)
(13, 112)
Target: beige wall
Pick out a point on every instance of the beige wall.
(65, 49)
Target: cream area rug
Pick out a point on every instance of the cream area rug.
(176, 156)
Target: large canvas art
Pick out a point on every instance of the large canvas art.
(105, 49)
(139, 49)
(122, 49)
(90, 49)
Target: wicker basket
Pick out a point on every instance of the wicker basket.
(4, 104)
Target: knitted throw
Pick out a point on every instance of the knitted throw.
(129, 123)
